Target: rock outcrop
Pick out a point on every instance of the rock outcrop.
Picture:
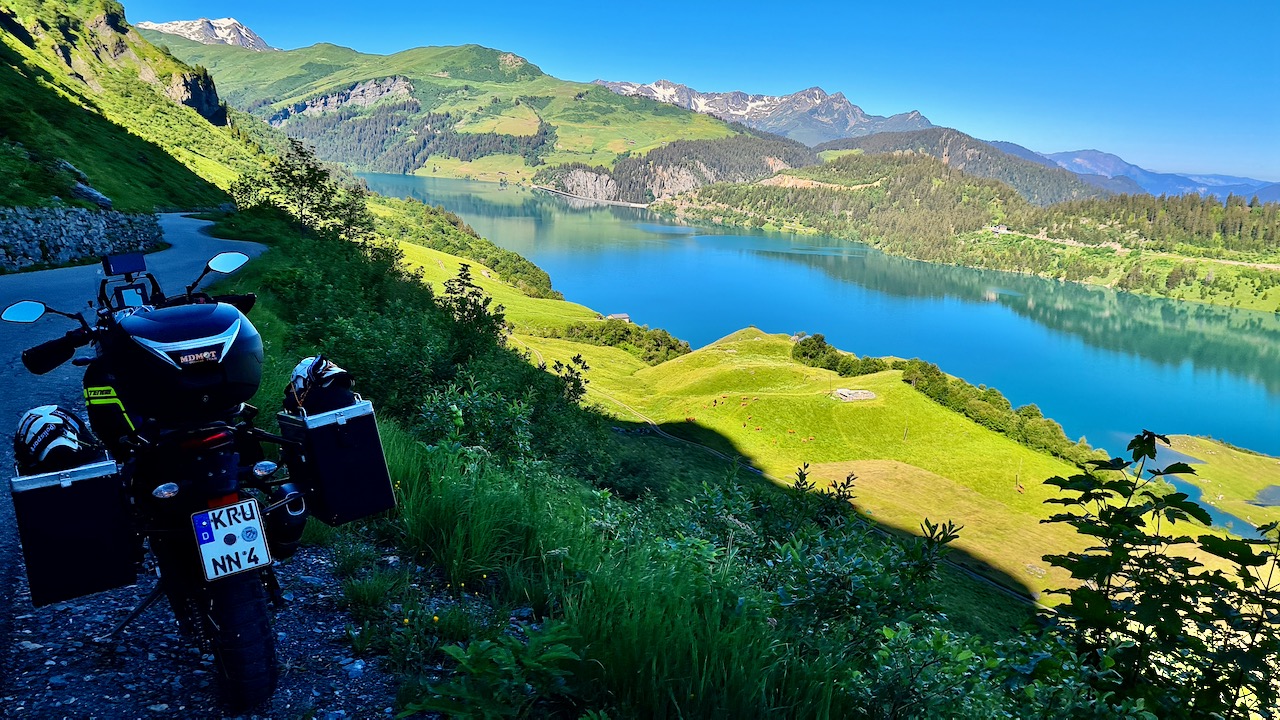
(587, 184)
(667, 181)
(196, 90)
(361, 94)
(57, 236)
(84, 191)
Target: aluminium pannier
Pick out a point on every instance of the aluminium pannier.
(75, 531)
(339, 463)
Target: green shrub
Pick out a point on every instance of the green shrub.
(651, 346)
(508, 677)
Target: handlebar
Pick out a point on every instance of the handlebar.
(48, 355)
(244, 303)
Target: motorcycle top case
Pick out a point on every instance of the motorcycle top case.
(340, 466)
(75, 532)
(180, 364)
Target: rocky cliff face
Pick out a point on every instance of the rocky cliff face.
(224, 31)
(196, 90)
(811, 116)
(666, 181)
(362, 94)
(587, 184)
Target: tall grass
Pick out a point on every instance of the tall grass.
(666, 624)
(670, 637)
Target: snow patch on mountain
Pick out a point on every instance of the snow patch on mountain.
(811, 116)
(223, 31)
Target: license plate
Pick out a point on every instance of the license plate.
(230, 539)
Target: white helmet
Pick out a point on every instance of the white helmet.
(318, 385)
(316, 371)
(51, 438)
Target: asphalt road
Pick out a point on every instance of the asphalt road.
(69, 289)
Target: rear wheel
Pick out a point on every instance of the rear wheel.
(243, 645)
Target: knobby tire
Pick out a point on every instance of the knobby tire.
(244, 647)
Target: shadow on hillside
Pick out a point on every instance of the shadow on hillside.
(135, 173)
(974, 564)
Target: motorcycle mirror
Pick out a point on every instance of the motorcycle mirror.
(224, 263)
(227, 262)
(24, 311)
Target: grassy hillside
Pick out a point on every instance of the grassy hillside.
(1038, 184)
(1240, 482)
(77, 83)
(489, 95)
(719, 395)
(745, 396)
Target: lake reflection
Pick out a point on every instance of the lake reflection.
(1104, 364)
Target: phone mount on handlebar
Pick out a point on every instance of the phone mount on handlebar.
(124, 264)
(132, 293)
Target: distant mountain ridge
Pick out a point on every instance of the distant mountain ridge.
(1269, 193)
(1034, 180)
(1096, 162)
(811, 116)
(223, 31)
(440, 110)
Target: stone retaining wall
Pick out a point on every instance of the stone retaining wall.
(57, 236)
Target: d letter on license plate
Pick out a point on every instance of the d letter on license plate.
(230, 539)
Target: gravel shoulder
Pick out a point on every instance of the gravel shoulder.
(56, 669)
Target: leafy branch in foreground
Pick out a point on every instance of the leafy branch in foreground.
(1187, 640)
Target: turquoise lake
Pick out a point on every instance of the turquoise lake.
(1103, 364)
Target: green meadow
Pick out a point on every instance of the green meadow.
(745, 397)
(1232, 478)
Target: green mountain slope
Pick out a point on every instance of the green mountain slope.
(908, 203)
(433, 106)
(1037, 183)
(77, 83)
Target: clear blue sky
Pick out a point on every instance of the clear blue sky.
(1171, 86)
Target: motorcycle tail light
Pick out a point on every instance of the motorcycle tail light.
(205, 442)
(228, 499)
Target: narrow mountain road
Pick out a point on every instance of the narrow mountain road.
(69, 289)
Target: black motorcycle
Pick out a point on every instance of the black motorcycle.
(179, 481)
